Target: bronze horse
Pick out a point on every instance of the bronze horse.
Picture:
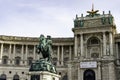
(44, 47)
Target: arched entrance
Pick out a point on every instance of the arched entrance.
(89, 75)
(3, 77)
(16, 77)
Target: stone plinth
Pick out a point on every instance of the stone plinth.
(42, 75)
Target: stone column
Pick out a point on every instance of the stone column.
(10, 47)
(104, 44)
(70, 53)
(34, 53)
(58, 55)
(14, 51)
(81, 45)
(9, 51)
(111, 43)
(75, 46)
(62, 58)
(22, 54)
(1, 52)
(26, 54)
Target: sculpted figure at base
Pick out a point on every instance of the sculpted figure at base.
(44, 47)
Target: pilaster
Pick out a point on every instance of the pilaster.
(10, 47)
(58, 55)
(79, 73)
(111, 43)
(81, 44)
(62, 58)
(70, 53)
(116, 51)
(99, 71)
(69, 71)
(34, 53)
(14, 50)
(26, 54)
(75, 46)
(111, 71)
(22, 54)
(1, 52)
(104, 44)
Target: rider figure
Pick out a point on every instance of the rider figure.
(45, 46)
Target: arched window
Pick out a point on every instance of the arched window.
(93, 47)
(16, 77)
(3, 77)
(4, 59)
(17, 60)
(30, 59)
(93, 41)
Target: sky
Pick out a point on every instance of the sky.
(30, 18)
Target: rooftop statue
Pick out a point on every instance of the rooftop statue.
(92, 13)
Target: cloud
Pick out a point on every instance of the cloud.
(55, 17)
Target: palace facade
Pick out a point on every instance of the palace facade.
(92, 54)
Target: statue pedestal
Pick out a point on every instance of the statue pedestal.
(42, 75)
(42, 70)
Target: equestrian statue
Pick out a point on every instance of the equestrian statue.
(45, 47)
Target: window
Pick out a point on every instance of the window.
(30, 49)
(66, 60)
(54, 61)
(3, 77)
(18, 49)
(17, 60)
(5, 60)
(30, 59)
(93, 41)
(5, 48)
